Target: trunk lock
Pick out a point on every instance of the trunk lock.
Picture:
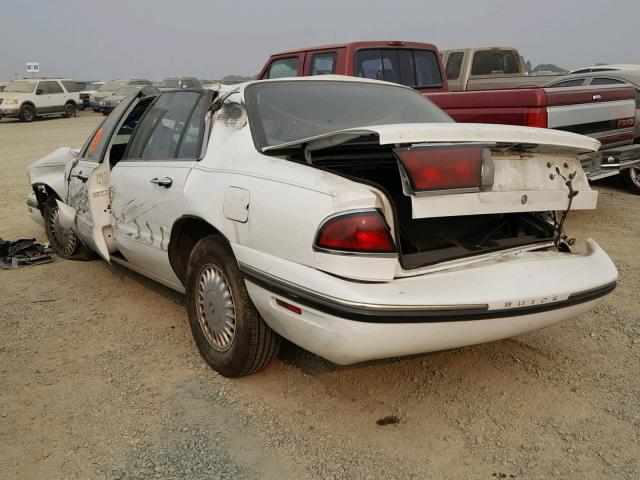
(524, 200)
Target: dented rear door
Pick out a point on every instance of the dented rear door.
(148, 183)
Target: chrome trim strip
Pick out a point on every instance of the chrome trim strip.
(347, 303)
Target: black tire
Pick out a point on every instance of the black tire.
(253, 344)
(67, 246)
(69, 110)
(27, 113)
(632, 179)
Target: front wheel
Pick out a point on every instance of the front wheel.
(230, 334)
(27, 113)
(632, 178)
(65, 243)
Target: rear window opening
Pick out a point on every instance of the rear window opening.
(427, 241)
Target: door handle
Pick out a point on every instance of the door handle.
(165, 182)
(79, 176)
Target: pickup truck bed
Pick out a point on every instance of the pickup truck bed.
(606, 113)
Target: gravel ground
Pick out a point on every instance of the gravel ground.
(99, 378)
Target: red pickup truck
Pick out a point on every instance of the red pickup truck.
(606, 113)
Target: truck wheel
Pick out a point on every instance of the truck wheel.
(230, 334)
(27, 113)
(65, 243)
(632, 178)
(69, 110)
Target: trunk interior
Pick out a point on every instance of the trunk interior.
(432, 240)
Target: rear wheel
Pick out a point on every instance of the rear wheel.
(632, 179)
(27, 113)
(65, 243)
(230, 334)
(69, 110)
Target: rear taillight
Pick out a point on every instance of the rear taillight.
(442, 167)
(536, 117)
(364, 232)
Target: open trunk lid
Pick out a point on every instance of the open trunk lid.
(523, 169)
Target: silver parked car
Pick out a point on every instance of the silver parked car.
(610, 75)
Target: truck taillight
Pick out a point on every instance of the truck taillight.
(536, 117)
(443, 167)
(363, 232)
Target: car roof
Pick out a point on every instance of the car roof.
(631, 75)
(240, 87)
(604, 68)
(481, 47)
(361, 44)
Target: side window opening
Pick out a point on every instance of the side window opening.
(283, 67)
(193, 135)
(454, 65)
(93, 151)
(606, 81)
(576, 82)
(126, 130)
(323, 63)
(161, 130)
(70, 86)
(53, 87)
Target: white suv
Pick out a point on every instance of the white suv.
(27, 99)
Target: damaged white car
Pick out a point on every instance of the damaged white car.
(349, 216)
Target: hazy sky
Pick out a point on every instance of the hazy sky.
(209, 39)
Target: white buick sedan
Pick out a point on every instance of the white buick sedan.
(351, 217)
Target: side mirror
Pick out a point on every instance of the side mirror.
(39, 91)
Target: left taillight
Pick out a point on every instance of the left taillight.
(355, 232)
(435, 168)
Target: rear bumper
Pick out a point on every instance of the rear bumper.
(611, 161)
(347, 322)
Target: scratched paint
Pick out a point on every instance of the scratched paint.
(233, 115)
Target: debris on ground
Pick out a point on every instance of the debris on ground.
(388, 420)
(24, 252)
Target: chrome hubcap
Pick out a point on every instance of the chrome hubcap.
(65, 241)
(215, 308)
(634, 173)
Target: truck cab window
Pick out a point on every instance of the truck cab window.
(323, 63)
(410, 67)
(454, 64)
(284, 67)
(487, 62)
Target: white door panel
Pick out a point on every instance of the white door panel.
(144, 211)
(89, 195)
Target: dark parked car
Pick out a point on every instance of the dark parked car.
(178, 82)
(112, 101)
(111, 86)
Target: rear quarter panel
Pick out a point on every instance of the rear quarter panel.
(287, 203)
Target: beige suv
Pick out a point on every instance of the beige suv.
(27, 99)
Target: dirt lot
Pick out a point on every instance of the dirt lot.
(99, 378)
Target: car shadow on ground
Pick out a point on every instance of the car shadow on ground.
(300, 359)
(614, 183)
